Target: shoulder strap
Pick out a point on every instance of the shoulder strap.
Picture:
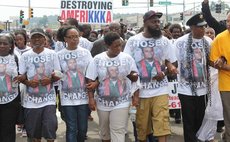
(16, 60)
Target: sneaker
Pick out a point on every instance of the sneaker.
(24, 134)
(223, 136)
(220, 129)
(19, 128)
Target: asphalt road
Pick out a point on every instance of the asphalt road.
(177, 132)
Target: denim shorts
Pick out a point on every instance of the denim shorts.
(41, 122)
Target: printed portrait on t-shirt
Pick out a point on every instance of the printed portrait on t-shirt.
(198, 66)
(150, 65)
(40, 73)
(113, 85)
(8, 84)
(75, 78)
(5, 80)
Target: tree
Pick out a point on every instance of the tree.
(43, 21)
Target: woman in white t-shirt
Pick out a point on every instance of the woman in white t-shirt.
(115, 71)
(9, 94)
(74, 100)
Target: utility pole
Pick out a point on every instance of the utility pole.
(16, 24)
(7, 25)
(183, 13)
(148, 5)
(166, 12)
(29, 9)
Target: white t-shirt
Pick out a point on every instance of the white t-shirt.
(21, 51)
(199, 64)
(37, 66)
(73, 65)
(114, 90)
(18, 52)
(149, 64)
(83, 42)
(8, 71)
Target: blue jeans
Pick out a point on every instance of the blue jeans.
(76, 119)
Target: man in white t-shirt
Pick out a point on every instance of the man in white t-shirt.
(153, 108)
(39, 65)
(194, 77)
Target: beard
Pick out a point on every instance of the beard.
(156, 33)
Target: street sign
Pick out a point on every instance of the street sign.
(165, 2)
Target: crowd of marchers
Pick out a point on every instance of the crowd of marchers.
(76, 70)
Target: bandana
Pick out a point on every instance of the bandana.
(192, 81)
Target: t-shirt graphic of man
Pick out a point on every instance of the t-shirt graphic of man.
(5, 80)
(149, 66)
(75, 77)
(198, 65)
(40, 74)
(113, 85)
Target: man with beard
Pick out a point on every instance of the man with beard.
(153, 109)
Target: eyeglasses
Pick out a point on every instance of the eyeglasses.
(72, 37)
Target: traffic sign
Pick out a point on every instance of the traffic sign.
(165, 2)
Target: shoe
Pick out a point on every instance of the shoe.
(171, 113)
(19, 128)
(24, 134)
(223, 136)
(220, 129)
(177, 121)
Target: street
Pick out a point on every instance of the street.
(176, 136)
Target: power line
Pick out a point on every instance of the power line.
(27, 6)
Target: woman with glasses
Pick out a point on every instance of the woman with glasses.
(74, 61)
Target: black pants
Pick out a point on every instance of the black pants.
(175, 113)
(193, 109)
(220, 123)
(8, 118)
(150, 137)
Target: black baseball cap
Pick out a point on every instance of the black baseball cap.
(37, 31)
